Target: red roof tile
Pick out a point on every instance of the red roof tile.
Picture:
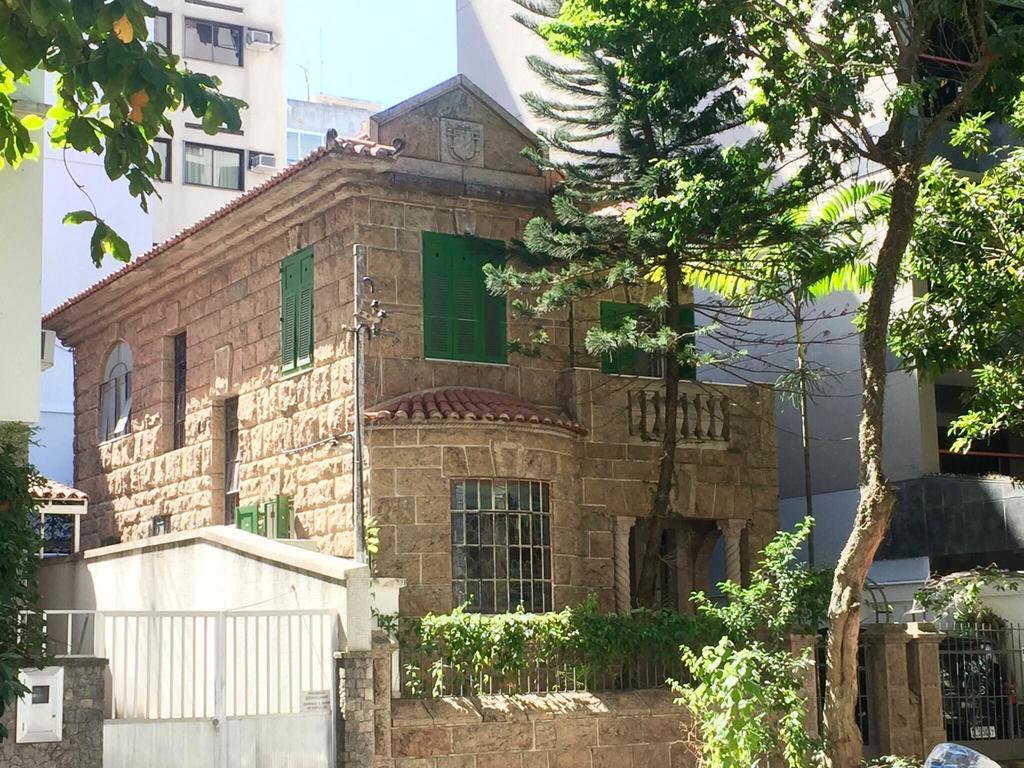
(354, 147)
(467, 404)
(51, 490)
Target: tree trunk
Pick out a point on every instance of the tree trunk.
(874, 510)
(647, 576)
(805, 427)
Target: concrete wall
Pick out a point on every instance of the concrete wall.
(21, 258)
(81, 744)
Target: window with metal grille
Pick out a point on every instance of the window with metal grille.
(231, 460)
(180, 393)
(501, 545)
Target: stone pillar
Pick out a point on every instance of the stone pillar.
(892, 708)
(623, 577)
(925, 678)
(805, 645)
(355, 717)
(731, 532)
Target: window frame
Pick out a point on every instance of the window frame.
(179, 404)
(122, 392)
(232, 460)
(216, 25)
(169, 17)
(300, 133)
(167, 159)
(468, 512)
(52, 509)
(445, 248)
(214, 148)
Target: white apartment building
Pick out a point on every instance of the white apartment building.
(239, 41)
(309, 121)
(492, 51)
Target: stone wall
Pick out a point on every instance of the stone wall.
(644, 729)
(81, 745)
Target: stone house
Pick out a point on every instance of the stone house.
(214, 384)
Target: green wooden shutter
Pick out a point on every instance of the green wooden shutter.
(266, 517)
(461, 320)
(613, 315)
(687, 369)
(467, 305)
(437, 324)
(304, 310)
(245, 518)
(494, 341)
(283, 517)
(290, 278)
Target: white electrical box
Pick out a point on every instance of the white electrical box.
(41, 710)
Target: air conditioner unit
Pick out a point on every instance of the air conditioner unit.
(260, 39)
(48, 341)
(262, 161)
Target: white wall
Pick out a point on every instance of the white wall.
(216, 569)
(21, 204)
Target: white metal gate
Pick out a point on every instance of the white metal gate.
(213, 690)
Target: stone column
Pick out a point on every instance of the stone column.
(894, 730)
(623, 577)
(805, 645)
(925, 679)
(731, 532)
(355, 717)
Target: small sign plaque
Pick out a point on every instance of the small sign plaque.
(316, 701)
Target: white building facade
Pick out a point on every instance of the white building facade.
(240, 42)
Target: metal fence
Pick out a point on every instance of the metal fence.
(981, 667)
(863, 711)
(425, 676)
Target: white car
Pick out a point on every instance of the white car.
(956, 756)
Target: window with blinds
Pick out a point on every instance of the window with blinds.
(638, 362)
(461, 319)
(297, 311)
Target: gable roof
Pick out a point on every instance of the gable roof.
(451, 84)
(341, 146)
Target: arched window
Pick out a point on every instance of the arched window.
(116, 393)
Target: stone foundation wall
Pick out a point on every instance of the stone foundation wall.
(81, 745)
(558, 730)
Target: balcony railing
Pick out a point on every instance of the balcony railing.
(701, 416)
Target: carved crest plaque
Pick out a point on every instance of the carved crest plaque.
(462, 142)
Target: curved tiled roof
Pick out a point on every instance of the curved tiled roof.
(467, 404)
(352, 147)
(51, 490)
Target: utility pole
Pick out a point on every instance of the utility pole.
(365, 325)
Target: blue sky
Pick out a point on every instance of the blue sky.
(381, 50)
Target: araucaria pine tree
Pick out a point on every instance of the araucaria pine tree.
(636, 109)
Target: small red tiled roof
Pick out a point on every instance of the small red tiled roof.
(354, 147)
(467, 404)
(51, 490)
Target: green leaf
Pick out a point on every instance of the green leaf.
(79, 217)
